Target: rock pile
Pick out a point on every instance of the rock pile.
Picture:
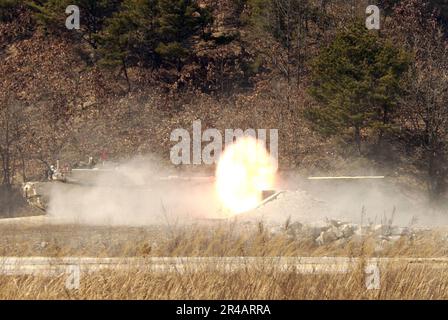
(336, 231)
(303, 217)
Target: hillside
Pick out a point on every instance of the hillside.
(136, 70)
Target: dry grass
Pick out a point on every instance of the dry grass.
(397, 281)
(403, 282)
(201, 240)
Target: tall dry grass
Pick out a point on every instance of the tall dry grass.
(402, 282)
(220, 239)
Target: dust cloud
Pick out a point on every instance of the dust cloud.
(363, 201)
(135, 193)
(141, 192)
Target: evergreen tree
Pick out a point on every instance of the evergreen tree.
(128, 36)
(51, 14)
(150, 31)
(179, 20)
(356, 80)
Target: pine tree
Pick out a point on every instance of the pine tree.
(51, 14)
(128, 36)
(355, 81)
(178, 21)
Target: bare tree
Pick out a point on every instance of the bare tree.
(424, 118)
(12, 128)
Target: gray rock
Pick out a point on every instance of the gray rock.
(347, 230)
(337, 232)
(336, 223)
(326, 237)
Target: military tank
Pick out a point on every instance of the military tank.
(90, 176)
(105, 175)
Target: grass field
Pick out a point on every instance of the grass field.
(212, 239)
(397, 282)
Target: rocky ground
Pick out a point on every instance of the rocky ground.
(300, 215)
(339, 232)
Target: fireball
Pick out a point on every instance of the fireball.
(244, 170)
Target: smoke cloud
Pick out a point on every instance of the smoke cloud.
(135, 193)
(142, 192)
